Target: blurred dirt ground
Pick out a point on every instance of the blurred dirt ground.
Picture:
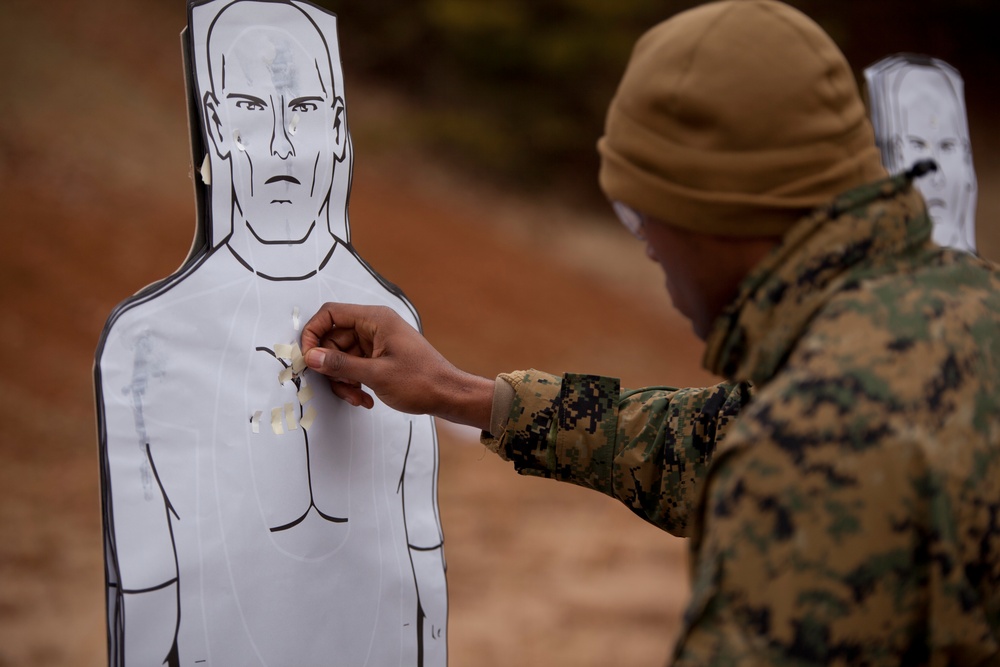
(97, 202)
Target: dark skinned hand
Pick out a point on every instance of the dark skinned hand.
(373, 346)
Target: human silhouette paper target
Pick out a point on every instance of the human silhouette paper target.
(918, 112)
(250, 517)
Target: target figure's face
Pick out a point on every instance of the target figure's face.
(931, 127)
(275, 116)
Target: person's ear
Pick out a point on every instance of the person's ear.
(213, 125)
(339, 129)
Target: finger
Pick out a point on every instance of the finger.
(345, 340)
(318, 327)
(329, 316)
(342, 321)
(353, 395)
(339, 365)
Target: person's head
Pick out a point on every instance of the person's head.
(732, 121)
(273, 113)
(930, 123)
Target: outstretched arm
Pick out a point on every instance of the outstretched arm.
(650, 448)
(372, 345)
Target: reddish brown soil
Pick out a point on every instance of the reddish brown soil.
(97, 202)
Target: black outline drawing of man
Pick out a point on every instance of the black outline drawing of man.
(922, 102)
(249, 517)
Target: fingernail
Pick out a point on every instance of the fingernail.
(353, 401)
(315, 357)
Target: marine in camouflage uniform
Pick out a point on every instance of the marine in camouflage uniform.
(842, 490)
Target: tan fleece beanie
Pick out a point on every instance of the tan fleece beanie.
(736, 118)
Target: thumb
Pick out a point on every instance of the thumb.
(338, 365)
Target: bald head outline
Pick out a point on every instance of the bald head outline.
(930, 120)
(272, 112)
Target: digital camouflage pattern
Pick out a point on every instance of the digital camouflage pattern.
(849, 513)
(649, 447)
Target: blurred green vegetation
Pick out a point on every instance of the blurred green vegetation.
(517, 89)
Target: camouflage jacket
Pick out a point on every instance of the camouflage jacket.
(848, 511)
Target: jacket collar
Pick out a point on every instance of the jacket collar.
(862, 233)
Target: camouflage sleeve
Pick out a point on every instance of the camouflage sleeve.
(648, 447)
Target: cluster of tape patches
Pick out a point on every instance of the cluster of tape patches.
(293, 369)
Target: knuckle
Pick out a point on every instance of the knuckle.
(335, 361)
(385, 314)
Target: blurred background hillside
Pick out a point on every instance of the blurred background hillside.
(517, 89)
(474, 190)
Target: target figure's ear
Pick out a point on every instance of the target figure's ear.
(213, 124)
(339, 129)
